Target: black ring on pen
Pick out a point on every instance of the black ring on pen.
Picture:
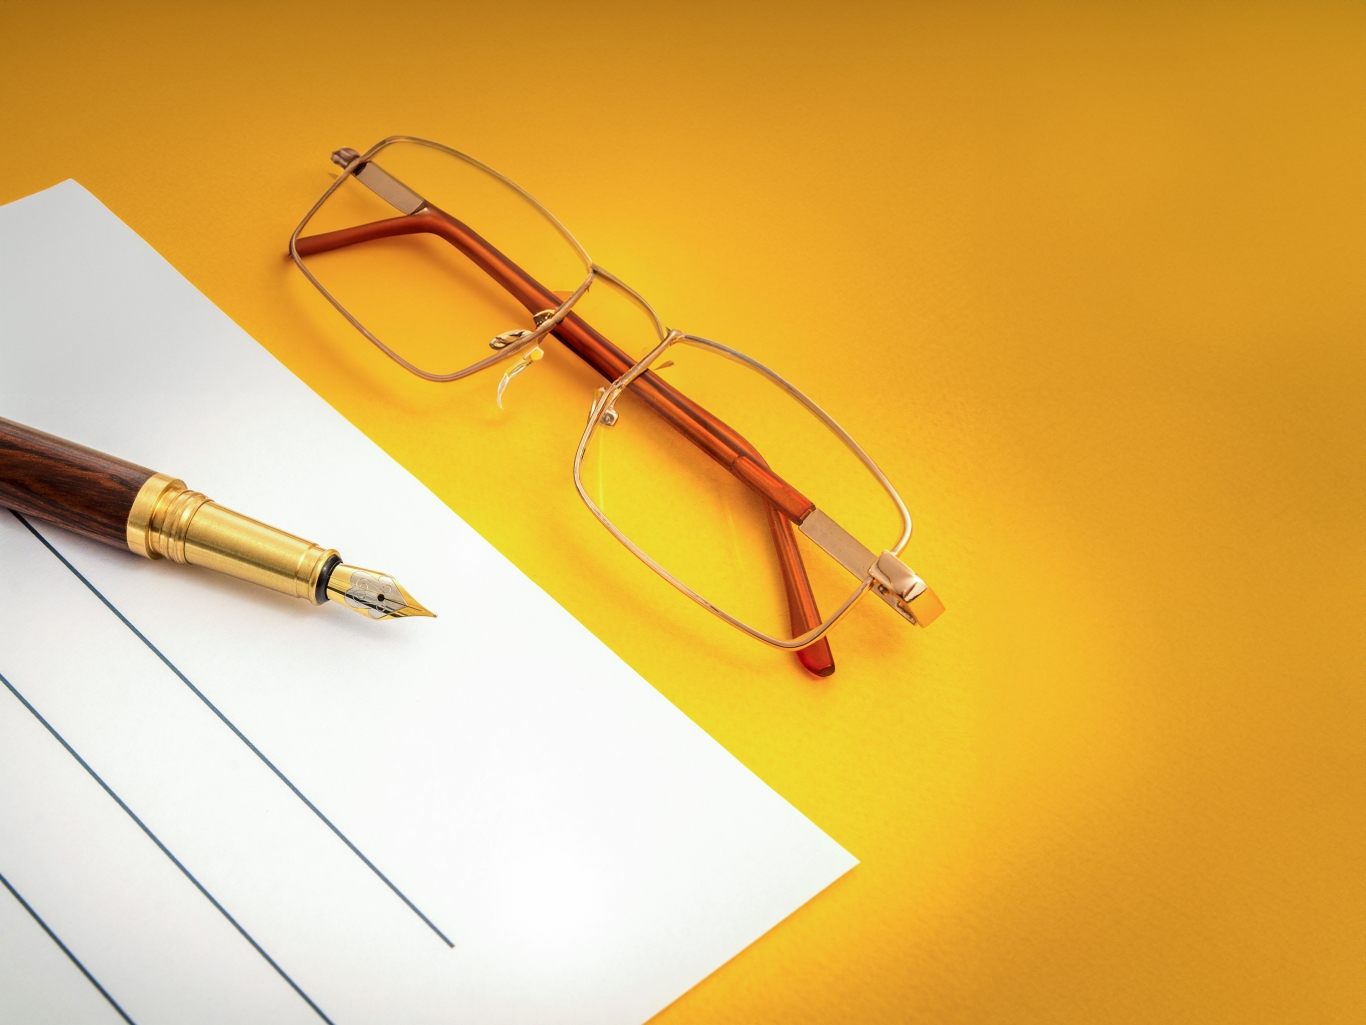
(325, 577)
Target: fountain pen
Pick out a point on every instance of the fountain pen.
(156, 516)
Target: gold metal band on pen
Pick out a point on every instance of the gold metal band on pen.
(144, 505)
(170, 521)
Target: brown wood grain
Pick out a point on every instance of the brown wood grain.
(68, 484)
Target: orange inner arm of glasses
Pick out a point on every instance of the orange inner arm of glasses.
(713, 436)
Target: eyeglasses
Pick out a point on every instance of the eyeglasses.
(714, 517)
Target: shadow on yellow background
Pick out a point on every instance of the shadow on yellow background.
(1086, 281)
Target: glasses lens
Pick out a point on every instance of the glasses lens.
(693, 516)
(420, 246)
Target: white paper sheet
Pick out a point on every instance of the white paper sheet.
(588, 850)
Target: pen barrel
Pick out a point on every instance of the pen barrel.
(170, 521)
(61, 482)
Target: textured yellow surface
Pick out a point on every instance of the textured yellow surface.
(1088, 280)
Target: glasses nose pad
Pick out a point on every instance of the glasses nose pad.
(526, 361)
(508, 338)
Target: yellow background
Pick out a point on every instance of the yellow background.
(1088, 282)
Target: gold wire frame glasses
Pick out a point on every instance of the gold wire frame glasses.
(436, 296)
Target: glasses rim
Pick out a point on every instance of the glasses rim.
(603, 402)
(545, 324)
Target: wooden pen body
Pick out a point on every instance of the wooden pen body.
(61, 482)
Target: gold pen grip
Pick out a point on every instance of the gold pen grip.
(170, 521)
(120, 503)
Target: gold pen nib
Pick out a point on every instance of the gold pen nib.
(373, 594)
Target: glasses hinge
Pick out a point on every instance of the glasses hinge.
(899, 586)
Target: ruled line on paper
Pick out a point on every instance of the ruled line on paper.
(236, 732)
(163, 848)
(65, 949)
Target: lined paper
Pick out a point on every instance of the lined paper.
(325, 802)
